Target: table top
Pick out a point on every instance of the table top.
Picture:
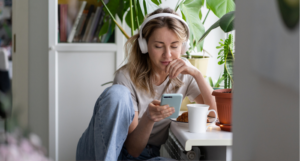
(213, 136)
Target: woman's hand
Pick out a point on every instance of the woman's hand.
(155, 112)
(178, 66)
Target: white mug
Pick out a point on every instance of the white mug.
(198, 116)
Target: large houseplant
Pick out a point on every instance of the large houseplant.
(224, 96)
(226, 24)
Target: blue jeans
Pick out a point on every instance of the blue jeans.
(107, 131)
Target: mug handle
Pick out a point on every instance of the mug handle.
(213, 123)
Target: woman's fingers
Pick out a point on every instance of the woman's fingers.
(173, 67)
(168, 67)
(177, 70)
(155, 102)
(157, 113)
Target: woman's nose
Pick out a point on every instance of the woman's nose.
(167, 52)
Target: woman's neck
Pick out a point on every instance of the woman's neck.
(159, 77)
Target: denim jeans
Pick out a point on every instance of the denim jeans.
(107, 131)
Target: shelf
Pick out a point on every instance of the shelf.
(213, 136)
(86, 47)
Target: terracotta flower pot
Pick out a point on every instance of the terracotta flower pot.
(224, 102)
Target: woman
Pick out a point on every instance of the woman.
(128, 122)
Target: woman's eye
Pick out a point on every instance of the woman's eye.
(158, 46)
(174, 47)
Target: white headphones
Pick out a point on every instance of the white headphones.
(142, 41)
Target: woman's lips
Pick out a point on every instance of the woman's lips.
(165, 62)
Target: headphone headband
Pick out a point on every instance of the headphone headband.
(162, 15)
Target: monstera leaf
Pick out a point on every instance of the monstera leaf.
(150, 5)
(139, 15)
(225, 22)
(191, 11)
(220, 7)
(120, 7)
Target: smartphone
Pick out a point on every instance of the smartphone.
(173, 100)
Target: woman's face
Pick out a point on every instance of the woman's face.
(163, 47)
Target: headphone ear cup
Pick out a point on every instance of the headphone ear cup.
(143, 45)
(185, 46)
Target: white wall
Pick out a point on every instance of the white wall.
(266, 100)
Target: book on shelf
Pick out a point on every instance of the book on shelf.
(58, 26)
(76, 23)
(89, 22)
(63, 22)
(100, 24)
(88, 27)
(80, 26)
(91, 10)
(93, 25)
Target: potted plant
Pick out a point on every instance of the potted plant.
(224, 96)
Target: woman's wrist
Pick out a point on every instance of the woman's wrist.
(196, 73)
(147, 117)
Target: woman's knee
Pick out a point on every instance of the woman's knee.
(114, 97)
(118, 91)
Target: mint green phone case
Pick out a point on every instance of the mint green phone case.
(173, 100)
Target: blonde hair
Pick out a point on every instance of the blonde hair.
(138, 64)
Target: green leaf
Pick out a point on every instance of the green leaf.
(229, 64)
(220, 7)
(226, 22)
(211, 82)
(113, 6)
(121, 11)
(104, 28)
(143, 7)
(106, 83)
(220, 52)
(150, 6)
(140, 16)
(183, 16)
(220, 80)
(200, 15)
(191, 9)
(215, 25)
(157, 2)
